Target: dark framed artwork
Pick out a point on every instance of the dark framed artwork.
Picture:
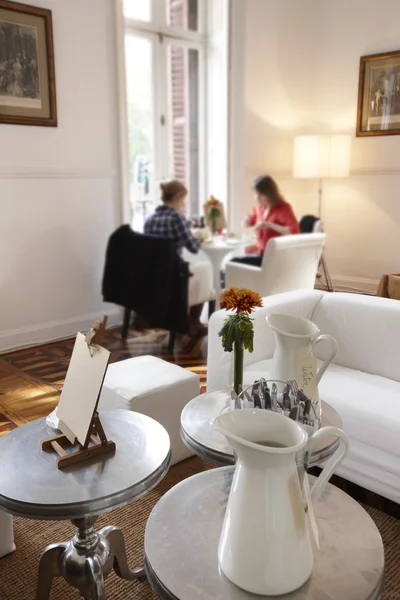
(379, 95)
(27, 75)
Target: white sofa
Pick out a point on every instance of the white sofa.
(363, 384)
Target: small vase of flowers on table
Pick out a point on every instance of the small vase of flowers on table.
(214, 215)
(237, 332)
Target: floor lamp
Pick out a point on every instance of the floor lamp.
(321, 157)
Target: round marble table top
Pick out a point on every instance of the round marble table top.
(182, 535)
(220, 244)
(31, 485)
(200, 436)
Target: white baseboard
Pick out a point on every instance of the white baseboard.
(53, 331)
(361, 285)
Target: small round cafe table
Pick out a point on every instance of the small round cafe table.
(217, 250)
(182, 535)
(32, 486)
(200, 436)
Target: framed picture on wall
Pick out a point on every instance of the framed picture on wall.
(27, 75)
(379, 95)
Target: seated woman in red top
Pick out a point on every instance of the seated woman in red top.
(271, 217)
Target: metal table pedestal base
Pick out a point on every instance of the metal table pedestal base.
(86, 561)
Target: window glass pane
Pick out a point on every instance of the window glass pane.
(183, 14)
(137, 9)
(184, 83)
(139, 60)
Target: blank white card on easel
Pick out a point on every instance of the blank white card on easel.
(82, 387)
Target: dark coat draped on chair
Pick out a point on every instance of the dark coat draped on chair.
(144, 273)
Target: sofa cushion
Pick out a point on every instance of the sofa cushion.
(369, 405)
(372, 469)
(367, 330)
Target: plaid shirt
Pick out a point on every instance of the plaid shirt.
(168, 223)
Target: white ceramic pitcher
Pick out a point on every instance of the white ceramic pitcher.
(265, 545)
(295, 337)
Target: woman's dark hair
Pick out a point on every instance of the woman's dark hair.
(266, 186)
(171, 189)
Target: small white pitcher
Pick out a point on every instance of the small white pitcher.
(295, 337)
(265, 545)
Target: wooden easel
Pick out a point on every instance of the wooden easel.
(96, 443)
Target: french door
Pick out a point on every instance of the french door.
(165, 87)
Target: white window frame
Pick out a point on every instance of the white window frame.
(196, 39)
(157, 29)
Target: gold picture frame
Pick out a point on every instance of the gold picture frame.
(27, 72)
(379, 95)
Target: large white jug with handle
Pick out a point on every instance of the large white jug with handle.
(295, 339)
(265, 546)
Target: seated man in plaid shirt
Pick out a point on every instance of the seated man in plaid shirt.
(168, 221)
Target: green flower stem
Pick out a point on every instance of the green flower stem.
(238, 355)
(214, 214)
(237, 335)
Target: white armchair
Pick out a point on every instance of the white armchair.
(290, 263)
(200, 284)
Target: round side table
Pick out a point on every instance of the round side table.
(216, 251)
(200, 436)
(182, 536)
(32, 486)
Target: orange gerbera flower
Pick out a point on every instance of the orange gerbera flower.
(240, 300)
(212, 202)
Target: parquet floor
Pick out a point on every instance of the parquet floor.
(31, 379)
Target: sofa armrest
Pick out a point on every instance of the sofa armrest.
(220, 363)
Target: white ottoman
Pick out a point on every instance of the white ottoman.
(155, 388)
(6, 534)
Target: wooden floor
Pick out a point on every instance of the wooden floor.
(31, 380)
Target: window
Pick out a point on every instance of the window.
(137, 9)
(165, 65)
(167, 68)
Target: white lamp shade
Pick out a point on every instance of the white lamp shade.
(339, 160)
(311, 156)
(321, 156)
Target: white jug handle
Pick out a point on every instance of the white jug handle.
(331, 356)
(333, 461)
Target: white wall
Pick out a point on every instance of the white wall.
(301, 76)
(59, 189)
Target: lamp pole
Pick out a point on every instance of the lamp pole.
(320, 199)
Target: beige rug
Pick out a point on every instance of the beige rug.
(18, 571)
